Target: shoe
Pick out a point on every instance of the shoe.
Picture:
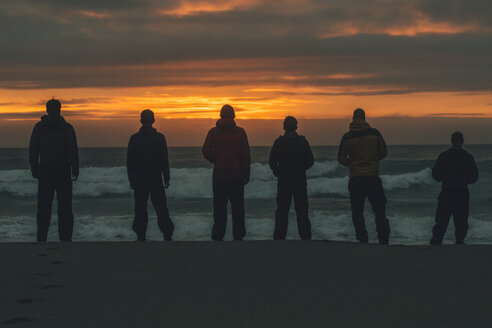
(460, 242)
(383, 242)
(168, 238)
(141, 238)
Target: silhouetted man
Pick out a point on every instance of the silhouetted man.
(226, 146)
(455, 168)
(147, 163)
(290, 157)
(54, 159)
(361, 149)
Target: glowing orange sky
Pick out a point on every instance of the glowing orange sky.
(251, 102)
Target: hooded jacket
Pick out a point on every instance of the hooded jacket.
(147, 159)
(455, 168)
(361, 149)
(290, 157)
(226, 146)
(53, 147)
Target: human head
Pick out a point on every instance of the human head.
(53, 107)
(290, 124)
(147, 117)
(359, 113)
(227, 112)
(457, 139)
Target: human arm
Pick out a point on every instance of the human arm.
(273, 160)
(208, 148)
(131, 162)
(472, 171)
(74, 154)
(245, 157)
(165, 163)
(34, 149)
(343, 157)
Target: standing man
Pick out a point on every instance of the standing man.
(226, 146)
(147, 163)
(455, 168)
(361, 149)
(54, 159)
(290, 157)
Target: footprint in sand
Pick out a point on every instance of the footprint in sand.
(56, 262)
(25, 300)
(51, 286)
(17, 320)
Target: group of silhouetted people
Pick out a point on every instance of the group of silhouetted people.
(53, 155)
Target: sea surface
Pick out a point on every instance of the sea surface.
(103, 200)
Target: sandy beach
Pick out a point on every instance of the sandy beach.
(244, 284)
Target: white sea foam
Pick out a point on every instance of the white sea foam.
(197, 227)
(196, 182)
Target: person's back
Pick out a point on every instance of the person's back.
(226, 146)
(53, 146)
(290, 157)
(147, 160)
(456, 169)
(147, 164)
(361, 149)
(54, 160)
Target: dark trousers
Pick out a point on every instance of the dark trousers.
(158, 198)
(225, 191)
(456, 203)
(47, 185)
(286, 190)
(361, 187)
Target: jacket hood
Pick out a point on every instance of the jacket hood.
(225, 123)
(147, 130)
(358, 125)
(52, 121)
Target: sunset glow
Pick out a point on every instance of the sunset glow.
(185, 59)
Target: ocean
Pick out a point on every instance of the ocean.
(103, 200)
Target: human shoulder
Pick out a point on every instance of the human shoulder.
(160, 135)
(240, 129)
(348, 135)
(374, 132)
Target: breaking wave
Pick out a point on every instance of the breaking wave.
(197, 227)
(187, 183)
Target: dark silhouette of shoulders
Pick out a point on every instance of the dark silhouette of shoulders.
(456, 168)
(291, 156)
(53, 144)
(147, 156)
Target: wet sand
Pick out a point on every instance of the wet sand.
(244, 284)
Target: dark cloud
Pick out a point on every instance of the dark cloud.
(79, 101)
(458, 114)
(38, 114)
(75, 43)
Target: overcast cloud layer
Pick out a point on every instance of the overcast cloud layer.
(385, 46)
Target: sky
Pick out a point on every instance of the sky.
(421, 69)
